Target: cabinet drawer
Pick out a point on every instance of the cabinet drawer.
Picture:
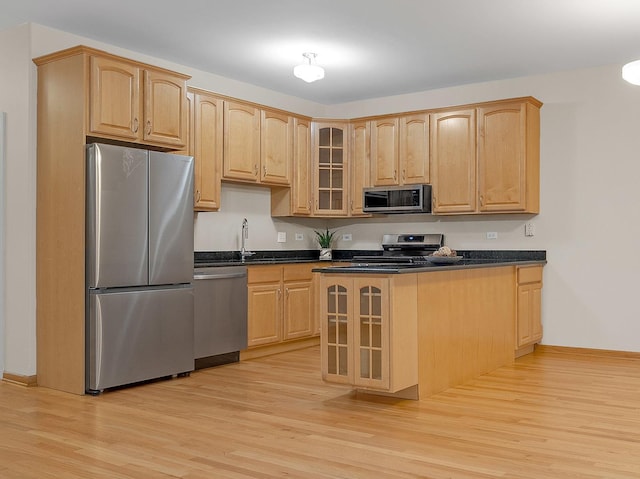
(530, 274)
(264, 274)
(298, 272)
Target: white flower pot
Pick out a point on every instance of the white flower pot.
(325, 254)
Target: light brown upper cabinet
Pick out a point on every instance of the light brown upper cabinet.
(241, 157)
(413, 149)
(331, 149)
(258, 144)
(134, 102)
(301, 187)
(453, 161)
(359, 160)
(509, 157)
(276, 147)
(206, 148)
(400, 150)
(487, 159)
(384, 151)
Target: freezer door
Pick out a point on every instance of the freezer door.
(170, 218)
(135, 335)
(117, 205)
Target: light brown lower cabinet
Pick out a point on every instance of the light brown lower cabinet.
(281, 304)
(529, 301)
(368, 331)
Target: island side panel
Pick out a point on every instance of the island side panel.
(466, 325)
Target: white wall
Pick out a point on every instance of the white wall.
(587, 223)
(17, 85)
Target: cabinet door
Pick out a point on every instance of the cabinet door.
(264, 314)
(529, 321)
(276, 148)
(241, 141)
(336, 307)
(384, 151)
(509, 157)
(453, 161)
(330, 155)
(360, 171)
(115, 98)
(165, 108)
(371, 333)
(298, 310)
(207, 150)
(301, 187)
(414, 149)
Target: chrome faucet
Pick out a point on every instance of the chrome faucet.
(245, 236)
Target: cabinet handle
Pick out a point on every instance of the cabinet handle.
(256, 169)
(148, 127)
(404, 175)
(264, 169)
(198, 196)
(309, 203)
(481, 200)
(135, 125)
(394, 175)
(286, 291)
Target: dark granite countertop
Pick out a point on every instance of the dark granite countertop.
(375, 268)
(471, 259)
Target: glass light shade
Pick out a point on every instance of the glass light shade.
(631, 72)
(309, 73)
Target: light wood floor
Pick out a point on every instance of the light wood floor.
(552, 415)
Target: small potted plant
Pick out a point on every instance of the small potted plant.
(324, 240)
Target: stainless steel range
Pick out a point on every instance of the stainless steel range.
(405, 248)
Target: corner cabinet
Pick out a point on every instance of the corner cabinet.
(296, 200)
(132, 102)
(529, 307)
(368, 331)
(330, 154)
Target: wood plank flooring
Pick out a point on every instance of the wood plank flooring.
(551, 415)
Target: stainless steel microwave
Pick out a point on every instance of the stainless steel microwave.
(397, 199)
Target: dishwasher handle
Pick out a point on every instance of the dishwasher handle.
(219, 275)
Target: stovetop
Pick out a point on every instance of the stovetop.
(405, 248)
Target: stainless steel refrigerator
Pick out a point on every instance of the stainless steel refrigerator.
(139, 246)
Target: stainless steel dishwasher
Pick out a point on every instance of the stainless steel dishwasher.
(220, 327)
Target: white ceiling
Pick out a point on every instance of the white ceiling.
(369, 48)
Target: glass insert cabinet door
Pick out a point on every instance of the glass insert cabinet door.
(371, 338)
(331, 157)
(355, 331)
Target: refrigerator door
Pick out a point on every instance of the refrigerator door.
(117, 205)
(138, 334)
(170, 218)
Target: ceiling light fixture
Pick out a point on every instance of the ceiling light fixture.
(631, 72)
(309, 71)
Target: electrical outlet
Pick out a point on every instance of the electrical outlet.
(299, 237)
(492, 235)
(529, 229)
(346, 237)
(282, 237)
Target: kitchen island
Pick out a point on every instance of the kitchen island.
(412, 332)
